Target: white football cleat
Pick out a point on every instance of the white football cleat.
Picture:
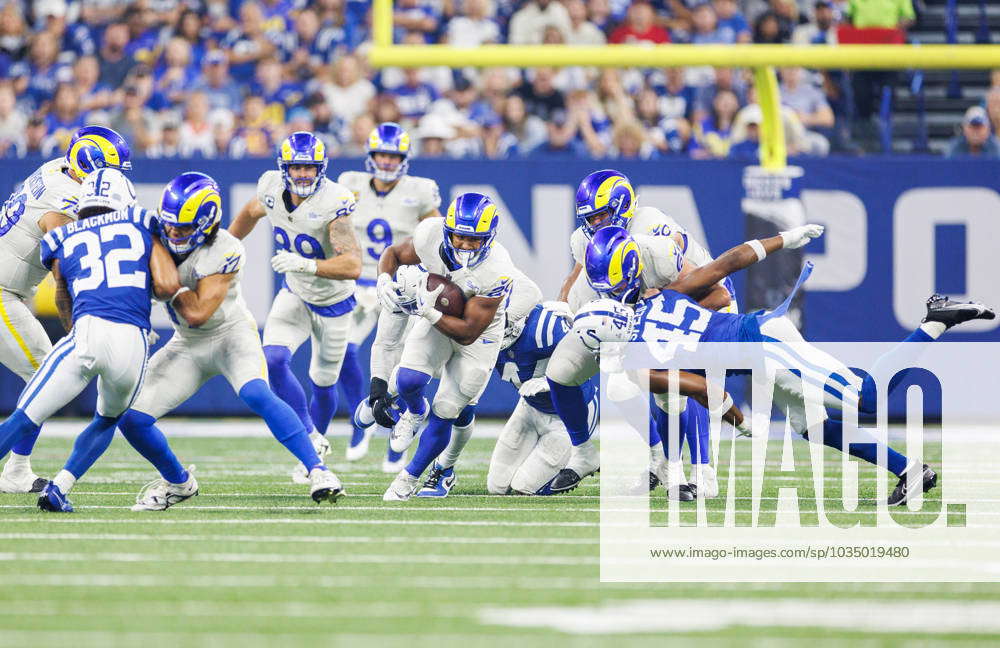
(325, 486)
(671, 475)
(401, 488)
(17, 477)
(706, 481)
(393, 467)
(407, 428)
(322, 447)
(159, 494)
(584, 459)
(357, 452)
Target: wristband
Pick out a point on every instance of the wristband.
(180, 291)
(727, 402)
(758, 249)
(433, 315)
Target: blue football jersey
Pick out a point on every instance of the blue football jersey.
(529, 355)
(105, 262)
(676, 319)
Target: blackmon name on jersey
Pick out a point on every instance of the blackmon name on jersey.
(104, 260)
(381, 220)
(304, 230)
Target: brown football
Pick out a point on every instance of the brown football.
(451, 301)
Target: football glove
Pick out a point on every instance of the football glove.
(426, 300)
(389, 293)
(799, 236)
(285, 261)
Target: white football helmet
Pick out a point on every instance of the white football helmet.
(107, 189)
(410, 279)
(603, 320)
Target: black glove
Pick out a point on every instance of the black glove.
(386, 411)
(377, 390)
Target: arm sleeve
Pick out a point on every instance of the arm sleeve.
(48, 248)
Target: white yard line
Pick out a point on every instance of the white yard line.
(297, 559)
(158, 519)
(338, 540)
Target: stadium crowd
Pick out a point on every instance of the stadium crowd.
(230, 78)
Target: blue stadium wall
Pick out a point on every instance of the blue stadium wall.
(898, 229)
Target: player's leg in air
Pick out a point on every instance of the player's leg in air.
(442, 476)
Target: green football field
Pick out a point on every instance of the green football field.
(253, 562)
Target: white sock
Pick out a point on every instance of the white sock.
(19, 461)
(933, 329)
(65, 481)
(459, 437)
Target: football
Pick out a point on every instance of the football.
(451, 301)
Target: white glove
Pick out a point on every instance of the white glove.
(388, 291)
(426, 300)
(534, 387)
(152, 336)
(621, 388)
(285, 261)
(560, 308)
(799, 236)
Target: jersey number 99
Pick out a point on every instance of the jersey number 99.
(305, 245)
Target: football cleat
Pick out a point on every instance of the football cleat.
(322, 447)
(401, 488)
(565, 481)
(901, 494)
(439, 483)
(671, 475)
(358, 447)
(53, 500)
(705, 480)
(324, 486)
(408, 427)
(948, 312)
(645, 484)
(159, 494)
(18, 478)
(363, 417)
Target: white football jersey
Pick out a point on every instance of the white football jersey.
(305, 231)
(493, 277)
(381, 221)
(47, 189)
(224, 256)
(652, 222)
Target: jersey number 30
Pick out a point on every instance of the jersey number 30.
(107, 269)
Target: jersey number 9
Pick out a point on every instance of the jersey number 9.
(380, 234)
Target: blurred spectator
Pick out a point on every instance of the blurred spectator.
(748, 147)
(94, 95)
(325, 125)
(136, 123)
(476, 124)
(810, 106)
(43, 70)
(476, 27)
(975, 139)
(599, 13)
(302, 52)
(350, 93)
(169, 145)
(992, 105)
(14, 35)
(279, 96)
(675, 98)
(630, 142)
(65, 116)
(522, 133)
(541, 98)
(174, 74)
(788, 16)
(12, 121)
(614, 100)
(725, 79)
(414, 97)
(361, 128)
(582, 31)
(386, 110)
(822, 30)
(415, 16)
(732, 25)
(116, 63)
(34, 138)
(705, 27)
(527, 25)
(767, 29)
(587, 125)
(640, 27)
(142, 38)
(887, 14)
(188, 27)
(433, 135)
(254, 137)
(196, 138)
(794, 131)
(247, 43)
(711, 135)
(221, 90)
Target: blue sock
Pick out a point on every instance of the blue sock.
(656, 423)
(833, 436)
(410, 384)
(26, 444)
(281, 420)
(466, 416)
(697, 432)
(17, 427)
(901, 356)
(285, 384)
(323, 406)
(571, 405)
(433, 441)
(91, 444)
(140, 431)
(352, 381)
(391, 455)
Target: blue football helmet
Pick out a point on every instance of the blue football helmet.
(614, 264)
(606, 194)
(192, 201)
(96, 147)
(388, 137)
(470, 214)
(302, 148)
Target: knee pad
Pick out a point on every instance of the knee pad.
(277, 357)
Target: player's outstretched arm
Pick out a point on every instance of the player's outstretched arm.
(568, 282)
(64, 301)
(743, 256)
(715, 297)
(247, 219)
(166, 280)
(479, 313)
(198, 305)
(347, 263)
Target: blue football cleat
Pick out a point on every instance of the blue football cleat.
(439, 483)
(53, 500)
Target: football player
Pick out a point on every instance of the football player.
(614, 268)
(44, 201)
(390, 204)
(319, 255)
(105, 266)
(214, 334)
(463, 349)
